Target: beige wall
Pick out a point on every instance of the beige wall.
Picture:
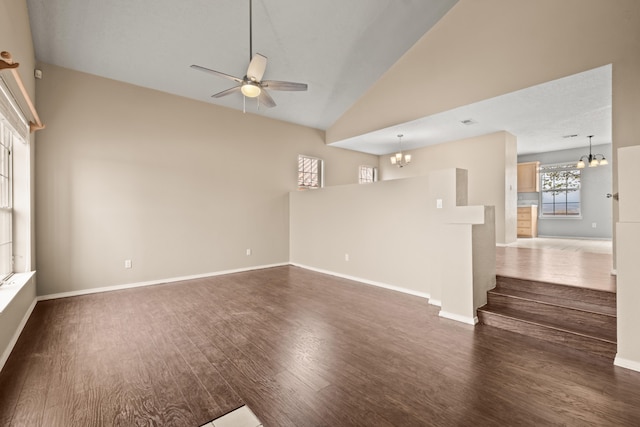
(384, 227)
(15, 37)
(179, 187)
(491, 162)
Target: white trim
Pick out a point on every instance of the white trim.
(17, 120)
(435, 302)
(614, 272)
(604, 239)
(464, 319)
(503, 245)
(153, 282)
(365, 281)
(16, 335)
(12, 287)
(626, 363)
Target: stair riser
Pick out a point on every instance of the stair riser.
(568, 315)
(593, 346)
(591, 296)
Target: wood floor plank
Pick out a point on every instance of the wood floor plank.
(300, 349)
(574, 268)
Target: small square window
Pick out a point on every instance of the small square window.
(367, 174)
(309, 172)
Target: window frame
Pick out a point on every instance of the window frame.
(318, 171)
(560, 167)
(7, 136)
(364, 178)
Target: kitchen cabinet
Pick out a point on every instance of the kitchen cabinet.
(528, 177)
(528, 221)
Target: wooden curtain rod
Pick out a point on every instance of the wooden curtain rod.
(7, 63)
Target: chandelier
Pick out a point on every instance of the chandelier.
(592, 159)
(399, 159)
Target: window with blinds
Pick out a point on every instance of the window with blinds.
(309, 172)
(367, 174)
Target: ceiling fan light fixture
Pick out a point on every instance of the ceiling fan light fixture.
(603, 162)
(250, 90)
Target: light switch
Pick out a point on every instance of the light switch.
(439, 203)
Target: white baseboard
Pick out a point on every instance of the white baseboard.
(435, 302)
(457, 317)
(626, 363)
(365, 281)
(16, 335)
(614, 272)
(153, 282)
(573, 237)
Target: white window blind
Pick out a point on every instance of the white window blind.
(11, 112)
(14, 128)
(6, 199)
(309, 172)
(367, 174)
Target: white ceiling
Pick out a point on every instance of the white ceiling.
(539, 116)
(339, 48)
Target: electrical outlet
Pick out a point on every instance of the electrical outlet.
(594, 225)
(438, 203)
(127, 263)
(248, 252)
(346, 257)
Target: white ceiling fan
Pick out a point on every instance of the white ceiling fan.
(252, 85)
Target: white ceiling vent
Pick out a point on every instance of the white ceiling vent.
(468, 122)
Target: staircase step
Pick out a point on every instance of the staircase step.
(541, 329)
(567, 292)
(605, 333)
(570, 312)
(602, 308)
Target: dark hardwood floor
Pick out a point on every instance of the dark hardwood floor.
(572, 268)
(300, 349)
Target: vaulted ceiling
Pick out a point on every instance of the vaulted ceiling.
(339, 48)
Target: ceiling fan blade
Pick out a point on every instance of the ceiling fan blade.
(266, 100)
(256, 67)
(217, 73)
(276, 85)
(226, 92)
